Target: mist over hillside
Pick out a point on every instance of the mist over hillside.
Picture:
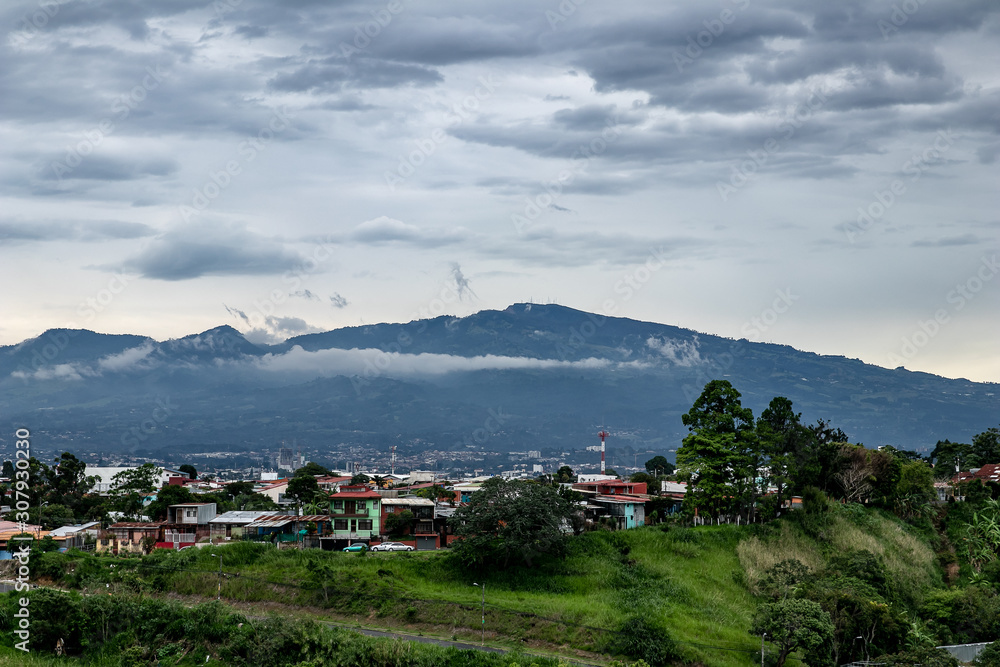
(527, 377)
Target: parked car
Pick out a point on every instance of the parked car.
(357, 546)
(392, 546)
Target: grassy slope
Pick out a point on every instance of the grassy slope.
(696, 582)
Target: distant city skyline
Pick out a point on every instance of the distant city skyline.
(820, 176)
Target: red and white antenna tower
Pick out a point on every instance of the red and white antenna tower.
(392, 464)
(603, 435)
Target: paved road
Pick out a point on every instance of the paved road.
(444, 642)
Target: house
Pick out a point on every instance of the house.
(280, 528)
(129, 536)
(623, 502)
(332, 483)
(276, 492)
(625, 511)
(988, 473)
(465, 491)
(610, 487)
(75, 536)
(186, 524)
(422, 534)
(356, 514)
(10, 530)
(231, 524)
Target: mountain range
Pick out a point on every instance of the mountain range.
(527, 377)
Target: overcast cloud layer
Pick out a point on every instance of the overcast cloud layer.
(818, 174)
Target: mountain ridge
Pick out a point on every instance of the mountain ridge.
(556, 371)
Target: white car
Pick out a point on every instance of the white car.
(392, 546)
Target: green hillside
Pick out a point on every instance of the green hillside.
(696, 589)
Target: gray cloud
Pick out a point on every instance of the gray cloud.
(205, 249)
(14, 231)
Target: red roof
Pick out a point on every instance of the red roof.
(355, 495)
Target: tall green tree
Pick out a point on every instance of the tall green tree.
(313, 469)
(950, 457)
(719, 454)
(986, 446)
(129, 489)
(565, 475)
(171, 494)
(796, 625)
(782, 439)
(659, 465)
(510, 522)
(191, 471)
(303, 488)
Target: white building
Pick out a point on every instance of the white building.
(105, 475)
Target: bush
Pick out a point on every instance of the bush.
(927, 657)
(640, 638)
(989, 656)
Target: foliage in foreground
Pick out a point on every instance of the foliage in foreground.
(136, 631)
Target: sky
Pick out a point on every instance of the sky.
(822, 175)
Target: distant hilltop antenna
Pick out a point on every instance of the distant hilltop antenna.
(603, 435)
(392, 462)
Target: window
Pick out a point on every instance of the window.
(340, 524)
(364, 524)
(361, 504)
(338, 504)
(190, 513)
(390, 509)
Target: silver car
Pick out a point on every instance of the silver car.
(392, 546)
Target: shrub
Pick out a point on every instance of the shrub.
(640, 638)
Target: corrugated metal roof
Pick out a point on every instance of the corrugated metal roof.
(279, 520)
(240, 516)
(268, 522)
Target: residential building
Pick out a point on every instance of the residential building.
(129, 536)
(423, 533)
(356, 514)
(276, 492)
(231, 524)
(186, 524)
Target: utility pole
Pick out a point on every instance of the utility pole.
(219, 594)
(762, 649)
(482, 642)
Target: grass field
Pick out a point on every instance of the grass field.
(697, 583)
